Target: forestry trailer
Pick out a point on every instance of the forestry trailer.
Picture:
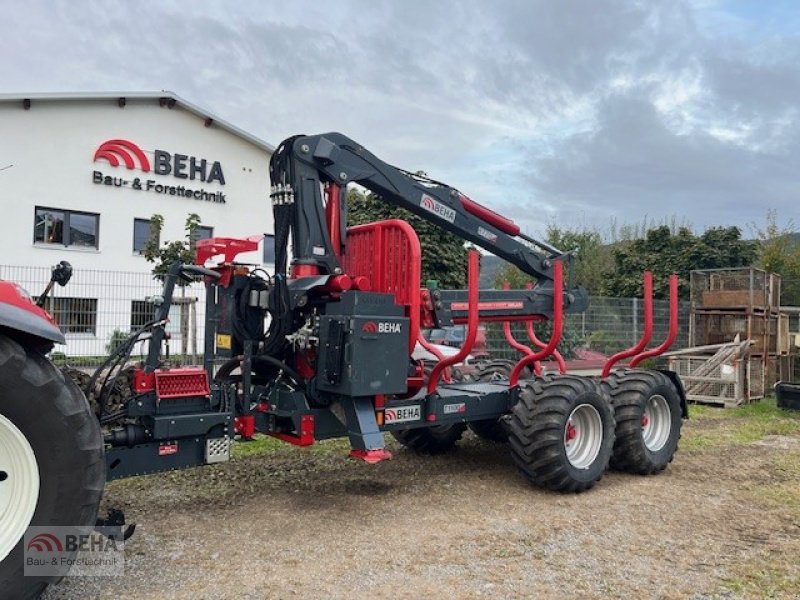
(324, 347)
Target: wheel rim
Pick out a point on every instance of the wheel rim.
(19, 485)
(656, 423)
(583, 436)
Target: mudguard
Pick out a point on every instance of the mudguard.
(19, 313)
(676, 381)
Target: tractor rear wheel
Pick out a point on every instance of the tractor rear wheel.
(561, 432)
(649, 418)
(494, 370)
(52, 467)
(489, 429)
(430, 440)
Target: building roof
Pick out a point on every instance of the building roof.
(171, 98)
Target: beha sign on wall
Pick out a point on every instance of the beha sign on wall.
(181, 166)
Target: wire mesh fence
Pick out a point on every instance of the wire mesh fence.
(608, 326)
(97, 309)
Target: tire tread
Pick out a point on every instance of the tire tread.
(536, 428)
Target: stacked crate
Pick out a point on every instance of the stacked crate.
(727, 378)
(744, 302)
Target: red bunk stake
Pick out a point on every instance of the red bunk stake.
(673, 325)
(558, 325)
(648, 327)
(562, 365)
(472, 326)
(436, 352)
(537, 367)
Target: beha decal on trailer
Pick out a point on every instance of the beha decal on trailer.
(441, 210)
(403, 414)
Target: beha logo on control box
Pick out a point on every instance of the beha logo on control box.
(117, 152)
(381, 327)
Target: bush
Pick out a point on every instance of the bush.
(118, 338)
(58, 358)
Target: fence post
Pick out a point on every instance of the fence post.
(634, 312)
(193, 320)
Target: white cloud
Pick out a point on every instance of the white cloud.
(565, 110)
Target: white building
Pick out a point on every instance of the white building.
(82, 174)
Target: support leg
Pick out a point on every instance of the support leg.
(366, 439)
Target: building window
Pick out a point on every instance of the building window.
(66, 227)
(203, 232)
(142, 311)
(269, 249)
(75, 315)
(141, 233)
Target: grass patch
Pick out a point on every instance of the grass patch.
(741, 425)
(766, 582)
(783, 494)
(262, 445)
(704, 411)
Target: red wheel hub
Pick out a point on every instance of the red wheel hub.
(645, 420)
(571, 433)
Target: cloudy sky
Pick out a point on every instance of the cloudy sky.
(573, 111)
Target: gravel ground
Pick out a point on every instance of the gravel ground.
(312, 524)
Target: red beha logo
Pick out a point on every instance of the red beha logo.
(113, 151)
(45, 542)
(370, 327)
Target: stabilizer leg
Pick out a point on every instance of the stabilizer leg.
(366, 439)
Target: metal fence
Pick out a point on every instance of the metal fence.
(97, 307)
(608, 326)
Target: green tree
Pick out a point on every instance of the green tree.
(163, 256)
(592, 259)
(779, 252)
(444, 254)
(663, 252)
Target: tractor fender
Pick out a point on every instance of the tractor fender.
(19, 313)
(676, 381)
